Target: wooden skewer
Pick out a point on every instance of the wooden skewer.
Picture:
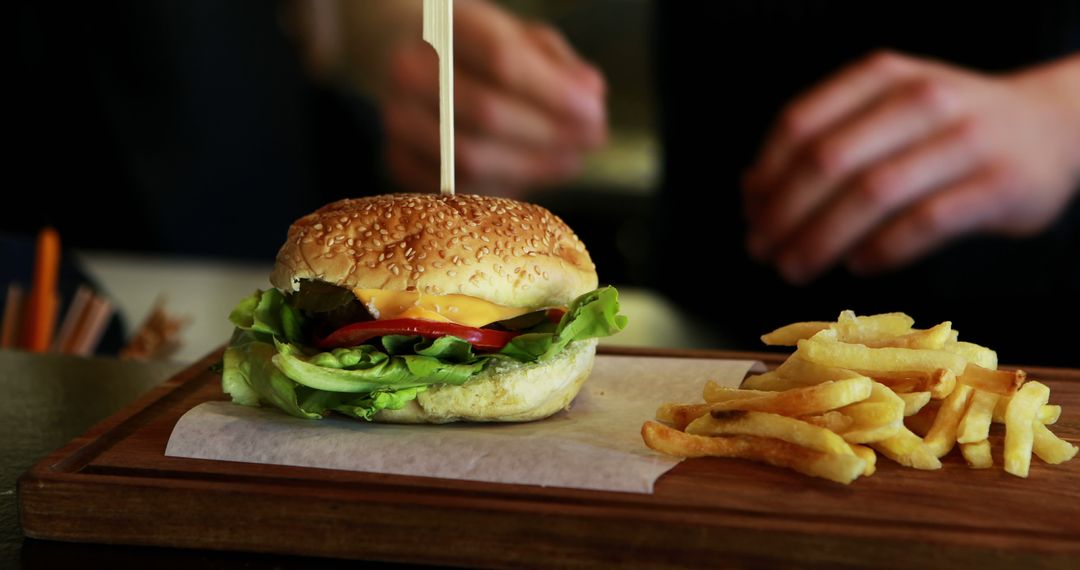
(72, 318)
(97, 317)
(13, 308)
(439, 32)
(40, 315)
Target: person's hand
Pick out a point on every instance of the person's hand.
(527, 106)
(894, 157)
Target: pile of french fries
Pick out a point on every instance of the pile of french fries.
(866, 385)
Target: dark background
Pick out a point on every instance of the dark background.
(191, 127)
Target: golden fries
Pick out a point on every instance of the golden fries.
(805, 372)
(866, 454)
(908, 450)
(1048, 414)
(806, 400)
(771, 382)
(914, 401)
(1001, 382)
(864, 359)
(933, 338)
(874, 328)
(839, 468)
(790, 334)
(973, 353)
(975, 425)
(763, 424)
(680, 415)
(1020, 420)
(878, 417)
(867, 384)
(942, 435)
(833, 421)
(714, 392)
(977, 454)
(1049, 447)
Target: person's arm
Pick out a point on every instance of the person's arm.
(895, 156)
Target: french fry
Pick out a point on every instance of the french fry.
(866, 454)
(878, 417)
(873, 328)
(714, 392)
(839, 468)
(807, 400)
(863, 385)
(975, 425)
(1049, 447)
(680, 415)
(763, 424)
(977, 454)
(869, 360)
(933, 338)
(1048, 414)
(1001, 382)
(833, 421)
(805, 372)
(946, 383)
(914, 401)
(938, 382)
(770, 381)
(872, 433)
(790, 334)
(972, 352)
(872, 414)
(942, 435)
(1020, 419)
(908, 450)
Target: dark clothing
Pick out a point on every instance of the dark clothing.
(178, 126)
(1008, 294)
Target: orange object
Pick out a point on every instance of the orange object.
(40, 315)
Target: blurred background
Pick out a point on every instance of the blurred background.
(148, 128)
(171, 143)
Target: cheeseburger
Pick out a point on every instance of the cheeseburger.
(416, 308)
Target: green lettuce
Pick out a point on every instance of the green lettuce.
(267, 363)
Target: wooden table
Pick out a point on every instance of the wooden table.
(114, 485)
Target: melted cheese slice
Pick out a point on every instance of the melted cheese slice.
(460, 309)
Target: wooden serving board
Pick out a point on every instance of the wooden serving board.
(115, 485)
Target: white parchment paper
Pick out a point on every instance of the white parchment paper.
(594, 445)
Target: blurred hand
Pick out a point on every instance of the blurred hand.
(894, 157)
(527, 107)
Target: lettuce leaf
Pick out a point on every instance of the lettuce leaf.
(592, 315)
(267, 363)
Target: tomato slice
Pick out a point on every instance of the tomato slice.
(357, 333)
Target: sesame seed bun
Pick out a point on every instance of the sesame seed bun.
(499, 250)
